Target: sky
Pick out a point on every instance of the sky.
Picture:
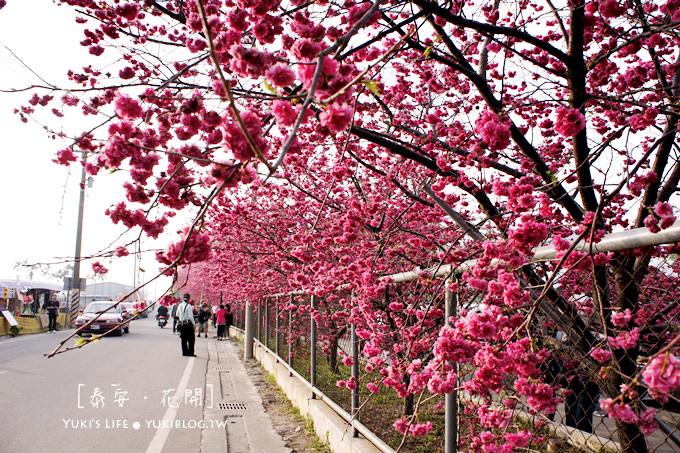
(40, 198)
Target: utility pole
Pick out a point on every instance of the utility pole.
(74, 299)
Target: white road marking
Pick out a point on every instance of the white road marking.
(158, 441)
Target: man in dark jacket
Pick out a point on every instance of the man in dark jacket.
(162, 311)
(204, 314)
(174, 318)
(52, 307)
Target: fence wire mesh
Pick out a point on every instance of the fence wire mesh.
(579, 423)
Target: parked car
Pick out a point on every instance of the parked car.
(105, 321)
(130, 307)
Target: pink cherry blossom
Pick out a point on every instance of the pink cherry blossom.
(65, 157)
(247, 61)
(621, 411)
(98, 268)
(284, 113)
(611, 8)
(647, 421)
(127, 107)
(122, 251)
(601, 355)
(569, 121)
(193, 248)
(662, 374)
(495, 133)
(621, 319)
(625, 340)
(336, 117)
(280, 75)
(663, 209)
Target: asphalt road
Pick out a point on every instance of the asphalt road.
(131, 393)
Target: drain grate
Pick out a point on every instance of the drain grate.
(222, 368)
(232, 406)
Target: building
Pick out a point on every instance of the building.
(23, 302)
(108, 291)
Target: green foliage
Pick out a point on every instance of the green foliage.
(319, 446)
(14, 330)
(380, 409)
(372, 85)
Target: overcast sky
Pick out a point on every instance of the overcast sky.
(40, 198)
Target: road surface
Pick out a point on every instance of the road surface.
(119, 394)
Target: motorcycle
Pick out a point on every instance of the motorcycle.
(162, 321)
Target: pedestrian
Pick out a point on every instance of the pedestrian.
(174, 318)
(229, 319)
(186, 324)
(579, 402)
(52, 307)
(221, 321)
(214, 314)
(203, 319)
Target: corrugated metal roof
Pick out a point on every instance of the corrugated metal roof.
(30, 284)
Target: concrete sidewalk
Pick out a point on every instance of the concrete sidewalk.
(232, 397)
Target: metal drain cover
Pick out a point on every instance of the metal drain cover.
(232, 406)
(222, 368)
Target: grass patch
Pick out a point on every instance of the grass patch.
(380, 410)
(318, 445)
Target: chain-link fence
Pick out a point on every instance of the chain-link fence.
(316, 337)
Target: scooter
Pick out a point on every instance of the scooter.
(162, 321)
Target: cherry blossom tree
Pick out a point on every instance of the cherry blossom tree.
(321, 144)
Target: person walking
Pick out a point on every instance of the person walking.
(52, 307)
(203, 319)
(214, 309)
(229, 319)
(174, 317)
(221, 321)
(185, 323)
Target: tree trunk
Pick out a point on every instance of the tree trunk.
(333, 354)
(631, 437)
(409, 407)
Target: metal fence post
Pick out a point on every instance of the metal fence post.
(450, 399)
(312, 344)
(277, 325)
(355, 375)
(259, 320)
(290, 334)
(249, 330)
(266, 322)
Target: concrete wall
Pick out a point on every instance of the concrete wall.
(30, 324)
(329, 426)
